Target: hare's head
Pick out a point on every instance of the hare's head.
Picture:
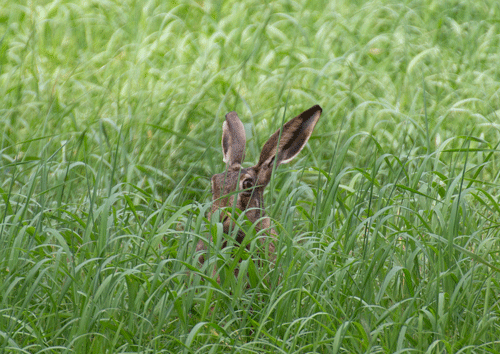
(244, 187)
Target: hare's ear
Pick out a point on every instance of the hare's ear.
(233, 141)
(292, 138)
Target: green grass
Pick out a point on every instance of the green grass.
(388, 221)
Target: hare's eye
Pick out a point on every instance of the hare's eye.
(247, 183)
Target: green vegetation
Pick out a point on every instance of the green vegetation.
(389, 219)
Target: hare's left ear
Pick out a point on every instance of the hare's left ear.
(233, 141)
(292, 139)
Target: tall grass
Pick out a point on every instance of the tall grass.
(388, 221)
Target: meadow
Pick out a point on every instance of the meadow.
(388, 220)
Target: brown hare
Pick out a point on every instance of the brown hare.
(243, 188)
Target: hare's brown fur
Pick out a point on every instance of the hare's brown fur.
(280, 148)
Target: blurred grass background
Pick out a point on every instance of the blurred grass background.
(111, 117)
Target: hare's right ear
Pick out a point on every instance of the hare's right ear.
(292, 138)
(233, 141)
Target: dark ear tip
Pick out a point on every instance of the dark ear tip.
(312, 111)
(315, 108)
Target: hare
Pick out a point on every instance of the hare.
(249, 183)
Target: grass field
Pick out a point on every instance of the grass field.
(388, 221)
